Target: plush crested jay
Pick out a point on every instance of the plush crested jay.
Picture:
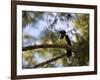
(63, 34)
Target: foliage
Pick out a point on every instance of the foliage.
(48, 25)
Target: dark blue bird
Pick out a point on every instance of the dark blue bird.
(63, 34)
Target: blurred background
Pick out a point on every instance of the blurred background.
(42, 28)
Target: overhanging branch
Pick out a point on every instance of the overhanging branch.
(46, 46)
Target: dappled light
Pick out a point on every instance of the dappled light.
(43, 46)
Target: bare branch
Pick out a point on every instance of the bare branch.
(46, 46)
(49, 61)
(49, 46)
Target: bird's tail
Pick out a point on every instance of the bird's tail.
(69, 56)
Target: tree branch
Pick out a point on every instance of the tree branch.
(49, 61)
(46, 46)
(49, 46)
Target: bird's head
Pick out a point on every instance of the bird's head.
(63, 33)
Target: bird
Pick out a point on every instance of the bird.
(63, 34)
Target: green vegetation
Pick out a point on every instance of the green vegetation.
(80, 44)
